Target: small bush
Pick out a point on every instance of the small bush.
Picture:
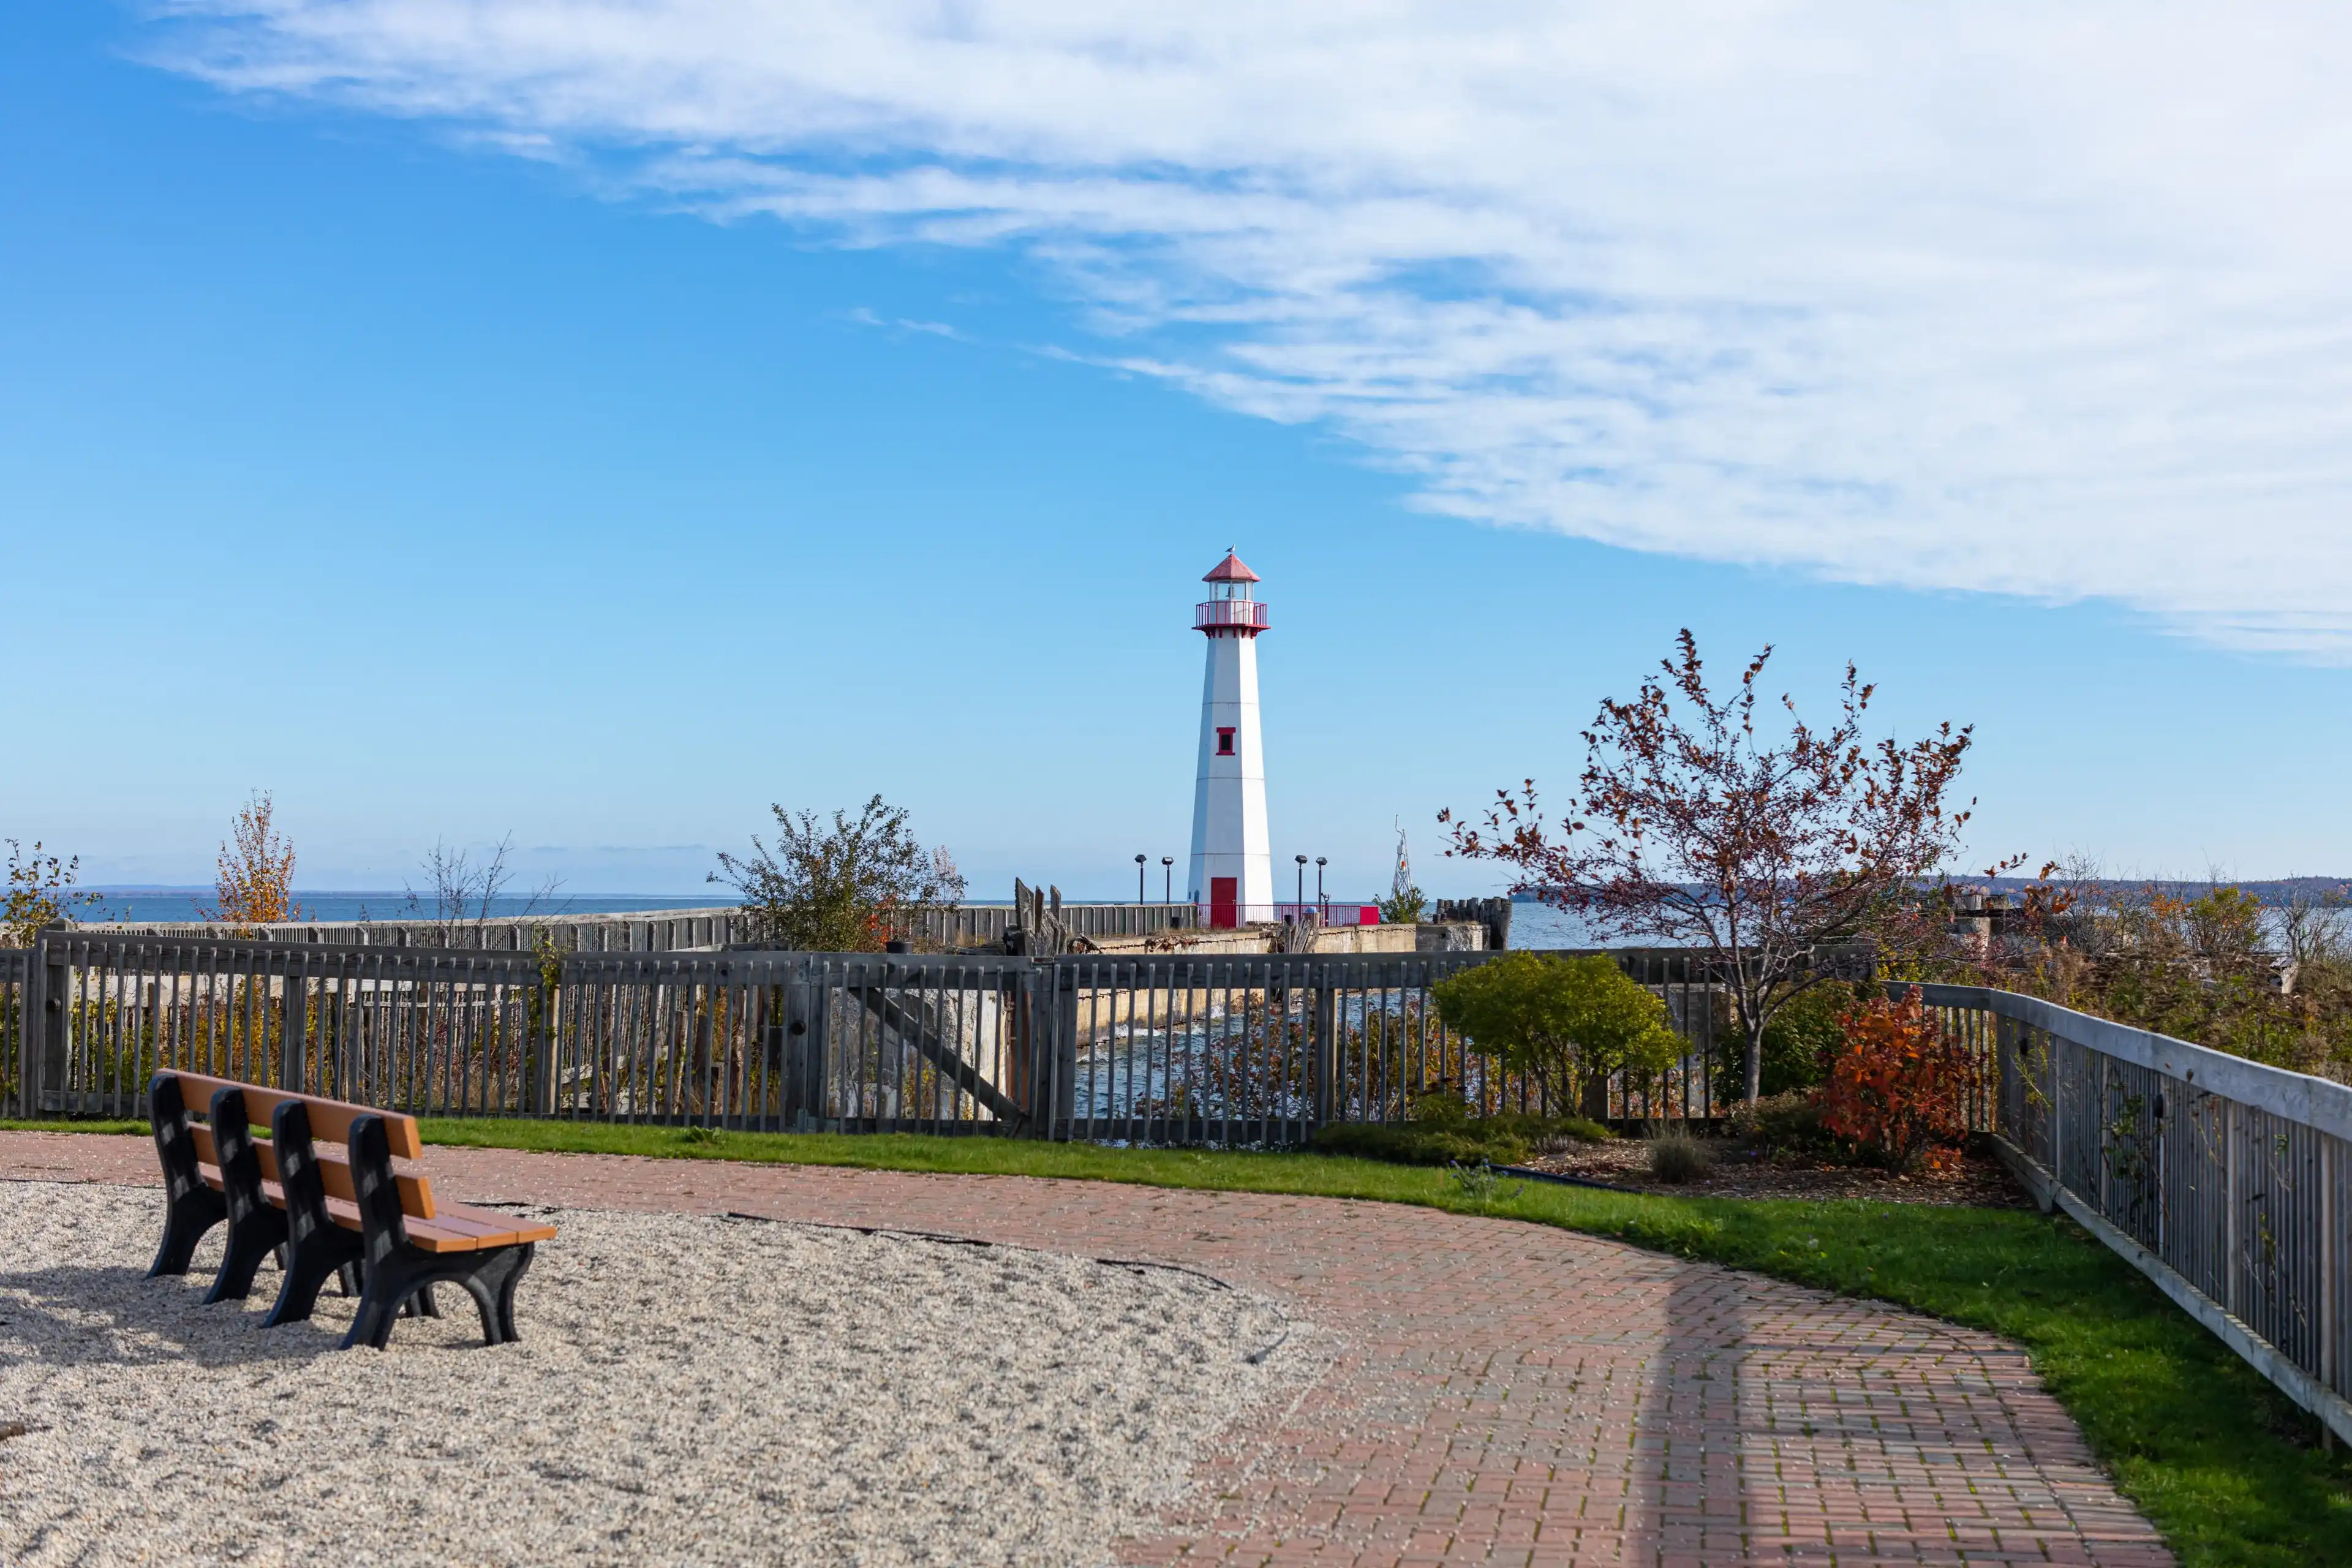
(1441, 1106)
(1566, 1022)
(1677, 1157)
(1558, 1134)
(1490, 1140)
(1420, 1145)
(1782, 1121)
(1899, 1089)
(1805, 1036)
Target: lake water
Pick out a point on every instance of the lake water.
(1535, 925)
(185, 903)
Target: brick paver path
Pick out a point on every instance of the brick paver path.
(1501, 1393)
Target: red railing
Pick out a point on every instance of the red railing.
(1247, 613)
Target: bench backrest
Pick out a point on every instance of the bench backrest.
(330, 1120)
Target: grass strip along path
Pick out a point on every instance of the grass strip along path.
(2226, 1467)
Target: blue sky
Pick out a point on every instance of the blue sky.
(453, 462)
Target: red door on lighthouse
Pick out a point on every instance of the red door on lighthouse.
(1224, 900)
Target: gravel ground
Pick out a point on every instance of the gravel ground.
(687, 1390)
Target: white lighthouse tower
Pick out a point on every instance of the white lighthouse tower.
(1233, 868)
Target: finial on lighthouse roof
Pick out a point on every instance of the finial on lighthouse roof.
(1231, 569)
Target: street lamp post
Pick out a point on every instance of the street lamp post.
(1322, 903)
(1168, 878)
(1302, 886)
(1138, 878)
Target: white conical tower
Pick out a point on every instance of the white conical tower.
(1233, 865)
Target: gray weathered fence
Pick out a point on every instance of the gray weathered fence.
(2224, 1181)
(661, 930)
(1242, 1047)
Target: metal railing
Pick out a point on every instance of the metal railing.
(1216, 613)
(2222, 1179)
(1264, 1049)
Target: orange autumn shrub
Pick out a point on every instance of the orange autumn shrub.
(1899, 1087)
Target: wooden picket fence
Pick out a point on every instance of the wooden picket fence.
(1257, 1048)
(2226, 1182)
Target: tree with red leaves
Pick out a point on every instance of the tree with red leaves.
(1692, 830)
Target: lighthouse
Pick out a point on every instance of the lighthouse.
(1232, 868)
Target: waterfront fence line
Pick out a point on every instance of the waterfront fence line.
(1245, 1048)
(2223, 1179)
(663, 930)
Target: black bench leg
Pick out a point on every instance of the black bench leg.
(511, 1278)
(250, 1247)
(186, 1220)
(391, 1282)
(306, 1275)
(256, 1229)
(190, 1207)
(394, 1282)
(421, 1305)
(492, 1285)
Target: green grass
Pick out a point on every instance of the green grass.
(2227, 1467)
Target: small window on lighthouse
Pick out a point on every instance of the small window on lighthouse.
(1225, 742)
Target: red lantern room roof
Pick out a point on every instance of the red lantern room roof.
(1231, 569)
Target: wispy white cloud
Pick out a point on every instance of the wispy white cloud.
(2047, 301)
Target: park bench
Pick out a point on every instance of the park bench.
(324, 1212)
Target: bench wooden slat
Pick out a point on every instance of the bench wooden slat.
(334, 1173)
(330, 1120)
(494, 1228)
(456, 1228)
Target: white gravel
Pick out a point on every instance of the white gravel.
(687, 1390)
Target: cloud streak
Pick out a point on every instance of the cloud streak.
(2052, 301)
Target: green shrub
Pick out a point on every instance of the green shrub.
(1566, 1022)
(1403, 909)
(1493, 1140)
(1419, 1143)
(1440, 1107)
(1546, 1134)
(1803, 1036)
(1789, 1120)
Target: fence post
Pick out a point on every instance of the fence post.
(2231, 1117)
(49, 980)
(2056, 1044)
(292, 1035)
(1323, 1007)
(2004, 1060)
(1061, 1102)
(543, 1035)
(2328, 1328)
(806, 1007)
